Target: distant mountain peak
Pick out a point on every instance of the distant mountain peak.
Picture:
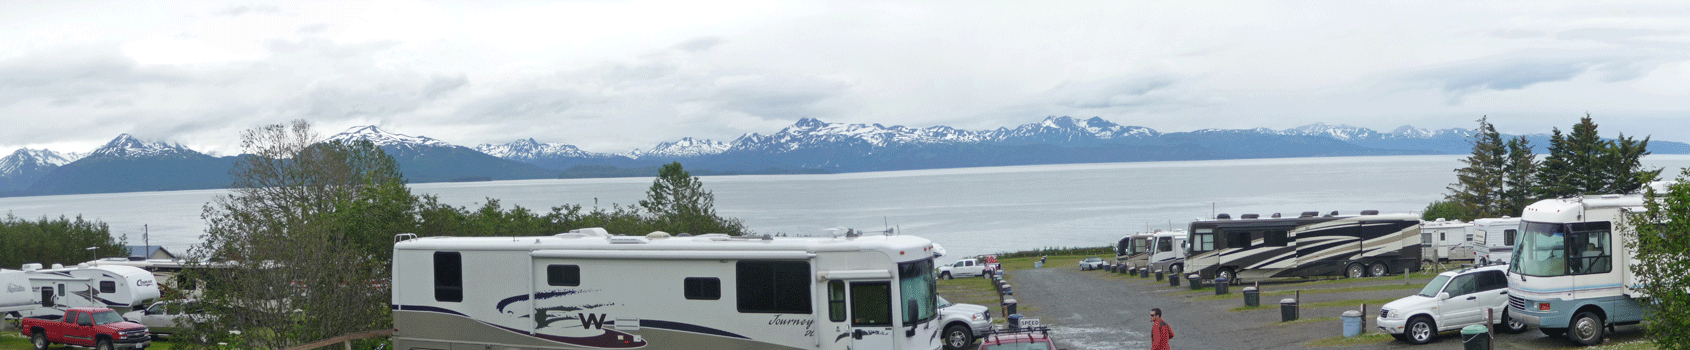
(127, 146)
(685, 147)
(385, 139)
(524, 150)
(26, 160)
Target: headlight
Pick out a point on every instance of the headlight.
(1384, 313)
(979, 316)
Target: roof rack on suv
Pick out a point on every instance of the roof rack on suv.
(1045, 331)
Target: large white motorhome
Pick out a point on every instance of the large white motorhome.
(1168, 252)
(1134, 250)
(1444, 240)
(1571, 270)
(15, 296)
(587, 289)
(120, 288)
(1498, 236)
(1308, 245)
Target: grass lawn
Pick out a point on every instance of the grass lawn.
(11, 340)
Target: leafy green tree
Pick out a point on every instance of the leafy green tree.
(681, 204)
(1445, 209)
(1518, 183)
(55, 241)
(1479, 185)
(1662, 244)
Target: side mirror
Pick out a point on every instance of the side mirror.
(1443, 295)
(912, 310)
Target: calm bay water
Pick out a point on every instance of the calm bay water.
(969, 211)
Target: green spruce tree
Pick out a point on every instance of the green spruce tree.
(1517, 180)
(1479, 185)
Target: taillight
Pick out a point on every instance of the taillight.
(1543, 306)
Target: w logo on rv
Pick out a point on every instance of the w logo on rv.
(592, 321)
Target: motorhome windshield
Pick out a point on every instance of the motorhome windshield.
(1140, 245)
(1553, 249)
(917, 284)
(1432, 288)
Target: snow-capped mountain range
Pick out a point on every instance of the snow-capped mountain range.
(685, 147)
(125, 146)
(385, 139)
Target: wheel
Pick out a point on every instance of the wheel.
(1586, 329)
(946, 275)
(1225, 272)
(1176, 269)
(1355, 271)
(1553, 332)
(39, 339)
(1378, 269)
(1421, 330)
(1511, 325)
(957, 337)
(103, 344)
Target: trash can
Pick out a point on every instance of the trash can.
(1194, 282)
(1251, 297)
(1014, 321)
(1144, 273)
(1352, 323)
(1220, 286)
(1006, 290)
(1009, 306)
(1038, 264)
(1287, 310)
(1158, 275)
(1475, 337)
(1173, 280)
(1123, 270)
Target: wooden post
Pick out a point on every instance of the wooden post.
(1490, 327)
(1364, 317)
(1299, 297)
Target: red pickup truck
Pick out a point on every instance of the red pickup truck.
(96, 327)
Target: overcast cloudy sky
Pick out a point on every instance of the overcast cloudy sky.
(613, 76)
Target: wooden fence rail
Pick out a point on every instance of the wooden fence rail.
(346, 339)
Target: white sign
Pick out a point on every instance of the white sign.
(1029, 323)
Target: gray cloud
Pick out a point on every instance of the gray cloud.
(700, 44)
(1126, 91)
(1515, 72)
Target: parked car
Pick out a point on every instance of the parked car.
(1091, 263)
(161, 317)
(94, 327)
(1452, 300)
(964, 268)
(964, 323)
(1036, 338)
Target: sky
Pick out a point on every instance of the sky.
(611, 76)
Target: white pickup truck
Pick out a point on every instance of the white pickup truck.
(966, 268)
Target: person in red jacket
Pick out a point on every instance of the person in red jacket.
(1160, 333)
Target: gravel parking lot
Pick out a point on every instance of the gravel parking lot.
(1098, 310)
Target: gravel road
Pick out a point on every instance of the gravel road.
(1094, 310)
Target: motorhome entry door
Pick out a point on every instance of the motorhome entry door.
(871, 314)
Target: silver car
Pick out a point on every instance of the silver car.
(964, 323)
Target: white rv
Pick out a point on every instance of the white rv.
(1134, 250)
(1308, 245)
(120, 288)
(1168, 252)
(1445, 240)
(1498, 236)
(1570, 274)
(590, 290)
(15, 295)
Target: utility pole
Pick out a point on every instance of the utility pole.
(144, 239)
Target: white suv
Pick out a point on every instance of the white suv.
(964, 323)
(1453, 299)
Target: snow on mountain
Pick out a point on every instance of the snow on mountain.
(1337, 132)
(1071, 129)
(126, 146)
(385, 139)
(685, 147)
(811, 132)
(528, 149)
(25, 160)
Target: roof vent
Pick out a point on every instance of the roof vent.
(1309, 214)
(584, 232)
(1223, 216)
(657, 235)
(31, 266)
(58, 266)
(1276, 215)
(1333, 213)
(684, 234)
(1370, 212)
(711, 237)
(1249, 216)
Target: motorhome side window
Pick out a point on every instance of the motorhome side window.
(108, 287)
(563, 275)
(702, 288)
(1508, 237)
(448, 277)
(1237, 239)
(836, 301)
(775, 287)
(1588, 250)
(1275, 239)
(1203, 240)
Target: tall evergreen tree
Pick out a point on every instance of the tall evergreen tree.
(1553, 173)
(1624, 160)
(1583, 163)
(1517, 179)
(1585, 152)
(1479, 185)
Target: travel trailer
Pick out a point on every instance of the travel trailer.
(1444, 240)
(1168, 252)
(1570, 274)
(589, 289)
(1498, 235)
(1134, 250)
(15, 296)
(120, 288)
(1308, 245)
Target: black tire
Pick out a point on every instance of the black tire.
(39, 340)
(1586, 328)
(1420, 330)
(103, 344)
(1355, 271)
(1226, 272)
(1511, 325)
(1175, 269)
(1553, 332)
(1378, 269)
(957, 337)
(945, 275)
